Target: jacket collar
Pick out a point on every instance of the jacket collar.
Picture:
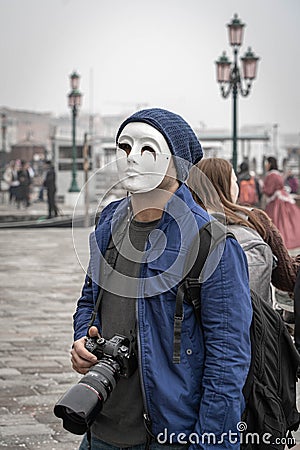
(117, 216)
(172, 208)
(182, 197)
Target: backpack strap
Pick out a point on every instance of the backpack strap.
(210, 236)
(297, 312)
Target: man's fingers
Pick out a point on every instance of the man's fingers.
(83, 353)
(82, 360)
(79, 361)
(79, 364)
(93, 332)
(79, 369)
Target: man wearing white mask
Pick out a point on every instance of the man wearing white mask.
(138, 251)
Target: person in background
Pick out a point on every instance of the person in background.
(291, 182)
(220, 173)
(50, 185)
(280, 206)
(25, 180)
(30, 170)
(249, 189)
(11, 178)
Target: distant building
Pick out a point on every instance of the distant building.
(28, 150)
(36, 136)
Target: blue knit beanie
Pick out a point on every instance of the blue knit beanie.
(180, 137)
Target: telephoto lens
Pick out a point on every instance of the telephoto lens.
(79, 406)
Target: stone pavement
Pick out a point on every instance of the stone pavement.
(40, 281)
(40, 277)
(36, 208)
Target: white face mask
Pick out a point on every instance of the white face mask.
(143, 157)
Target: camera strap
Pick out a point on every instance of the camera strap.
(89, 438)
(113, 265)
(95, 311)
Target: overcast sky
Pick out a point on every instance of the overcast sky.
(156, 52)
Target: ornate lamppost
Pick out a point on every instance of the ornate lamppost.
(4, 127)
(3, 149)
(232, 79)
(74, 102)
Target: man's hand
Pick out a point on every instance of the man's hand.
(81, 358)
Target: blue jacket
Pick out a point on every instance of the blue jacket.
(202, 394)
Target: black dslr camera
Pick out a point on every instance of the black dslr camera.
(79, 406)
(118, 348)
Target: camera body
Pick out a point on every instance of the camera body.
(117, 348)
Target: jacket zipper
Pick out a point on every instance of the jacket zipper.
(146, 416)
(147, 420)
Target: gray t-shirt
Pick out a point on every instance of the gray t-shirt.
(120, 422)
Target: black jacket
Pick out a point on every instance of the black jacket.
(49, 182)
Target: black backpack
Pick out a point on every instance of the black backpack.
(270, 389)
(297, 312)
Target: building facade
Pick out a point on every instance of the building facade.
(36, 137)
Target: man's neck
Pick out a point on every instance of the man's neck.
(149, 206)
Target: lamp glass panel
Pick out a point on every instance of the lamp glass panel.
(236, 35)
(77, 99)
(223, 72)
(74, 81)
(249, 68)
(71, 100)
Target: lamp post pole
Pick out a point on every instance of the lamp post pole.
(3, 148)
(74, 186)
(235, 75)
(229, 76)
(4, 126)
(74, 103)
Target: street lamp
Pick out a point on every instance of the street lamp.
(4, 127)
(3, 153)
(74, 102)
(229, 75)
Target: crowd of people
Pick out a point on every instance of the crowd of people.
(275, 193)
(188, 379)
(281, 206)
(19, 178)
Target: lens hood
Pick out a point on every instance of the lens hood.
(78, 408)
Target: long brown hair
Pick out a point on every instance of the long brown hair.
(218, 171)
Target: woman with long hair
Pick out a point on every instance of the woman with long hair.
(224, 196)
(281, 207)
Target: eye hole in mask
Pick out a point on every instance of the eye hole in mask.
(125, 147)
(147, 148)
